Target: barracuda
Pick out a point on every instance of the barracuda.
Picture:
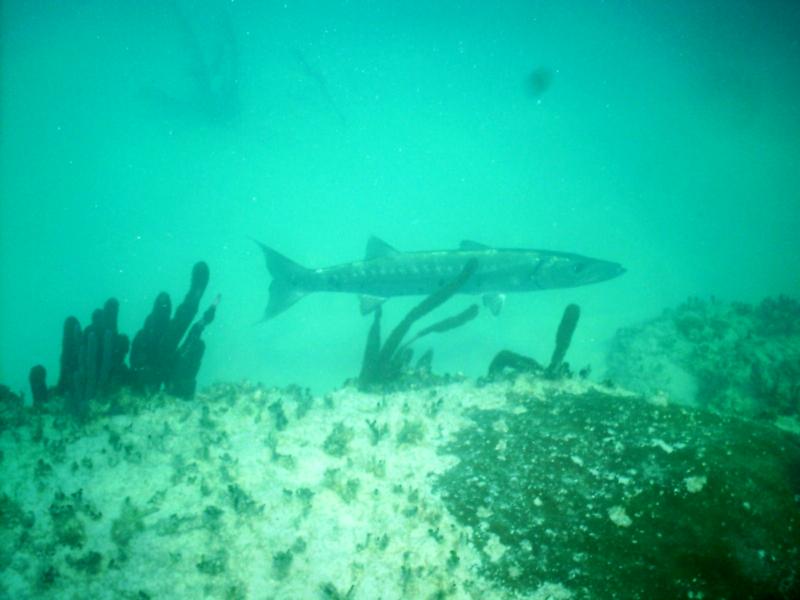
(386, 272)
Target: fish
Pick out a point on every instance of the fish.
(387, 272)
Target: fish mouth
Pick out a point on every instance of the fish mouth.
(609, 270)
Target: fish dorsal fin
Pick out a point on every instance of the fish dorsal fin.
(377, 248)
(470, 245)
(369, 304)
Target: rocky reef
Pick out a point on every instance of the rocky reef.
(733, 358)
(526, 484)
(615, 497)
(522, 488)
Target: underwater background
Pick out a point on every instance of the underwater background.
(139, 137)
(146, 145)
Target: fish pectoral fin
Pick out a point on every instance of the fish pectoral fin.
(377, 248)
(369, 303)
(494, 302)
(470, 245)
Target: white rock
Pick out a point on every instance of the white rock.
(619, 517)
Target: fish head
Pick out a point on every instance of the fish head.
(571, 270)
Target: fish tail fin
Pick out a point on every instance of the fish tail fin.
(287, 281)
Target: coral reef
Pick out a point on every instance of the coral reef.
(507, 361)
(728, 357)
(388, 363)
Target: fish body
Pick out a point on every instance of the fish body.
(386, 272)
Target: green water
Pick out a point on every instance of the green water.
(138, 138)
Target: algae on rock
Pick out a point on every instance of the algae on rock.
(592, 490)
(336, 444)
(729, 357)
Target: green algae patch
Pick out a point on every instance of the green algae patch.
(346, 489)
(411, 433)
(68, 528)
(213, 564)
(14, 526)
(90, 563)
(337, 442)
(281, 564)
(128, 524)
(618, 498)
(242, 502)
(12, 515)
